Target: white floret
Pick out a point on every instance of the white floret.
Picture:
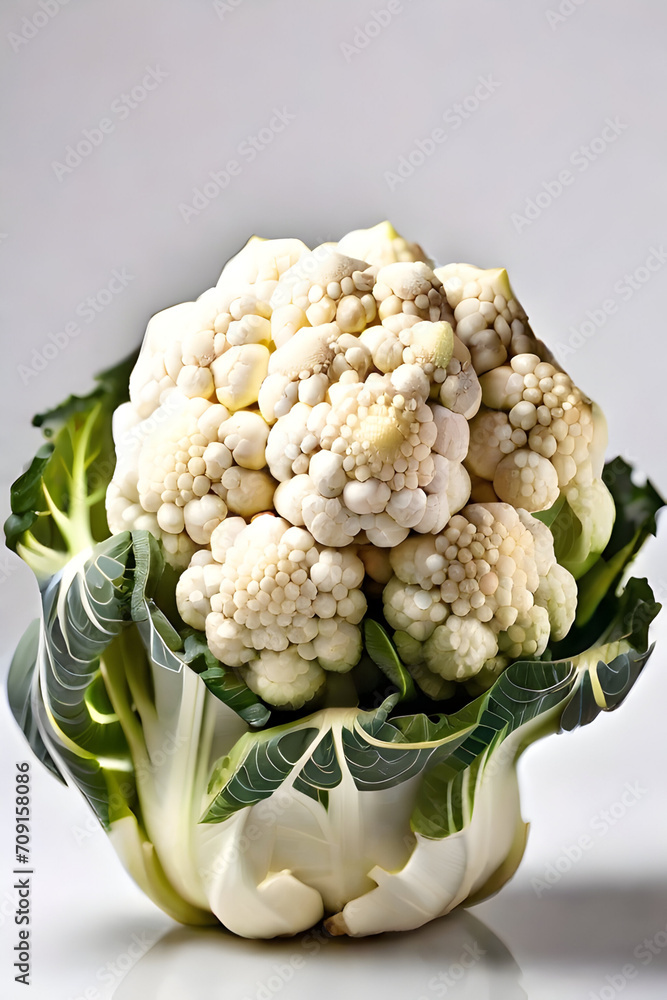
(486, 567)
(461, 391)
(277, 590)
(427, 344)
(307, 364)
(290, 497)
(407, 293)
(459, 649)
(194, 590)
(284, 679)
(160, 360)
(528, 636)
(593, 504)
(557, 593)
(370, 462)
(526, 480)
(261, 260)
(539, 408)
(380, 245)
(489, 319)
(238, 375)
(331, 398)
(413, 610)
(453, 434)
(247, 491)
(285, 321)
(338, 645)
(329, 287)
(290, 444)
(245, 435)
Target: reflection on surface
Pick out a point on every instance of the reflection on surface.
(591, 940)
(589, 924)
(457, 954)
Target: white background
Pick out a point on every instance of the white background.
(359, 104)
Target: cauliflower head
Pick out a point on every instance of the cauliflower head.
(329, 427)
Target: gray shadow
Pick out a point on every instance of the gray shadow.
(594, 924)
(457, 953)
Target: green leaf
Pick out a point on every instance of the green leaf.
(78, 629)
(627, 616)
(549, 516)
(223, 681)
(614, 681)
(148, 566)
(374, 767)
(234, 692)
(321, 772)
(381, 650)
(523, 693)
(269, 760)
(85, 608)
(58, 503)
(81, 617)
(160, 638)
(537, 697)
(636, 608)
(27, 490)
(19, 692)
(637, 506)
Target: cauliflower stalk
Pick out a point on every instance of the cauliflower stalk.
(356, 537)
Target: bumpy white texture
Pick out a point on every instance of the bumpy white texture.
(305, 366)
(328, 286)
(184, 345)
(269, 589)
(377, 460)
(488, 317)
(184, 468)
(482, 586)
(381, 245)
(338, 388)
(535, 435)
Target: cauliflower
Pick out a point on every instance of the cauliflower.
(535, 435)
(352, 493)
(362, 401)
(487, 585)
(189, 465)
(270, 588)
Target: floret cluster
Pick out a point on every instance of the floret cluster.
(326, 421)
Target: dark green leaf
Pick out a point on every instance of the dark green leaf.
(381, 650)
(15, 527)
(526, 691)
(321, 772)
(549, 516)
(222, 681)
(637, 506)
(26, 492)
(148, 565)
(75, 466)
(112, 388)
(267, 764)
(635, 609)
(614, 681)
(234, 692)
(19, 692)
